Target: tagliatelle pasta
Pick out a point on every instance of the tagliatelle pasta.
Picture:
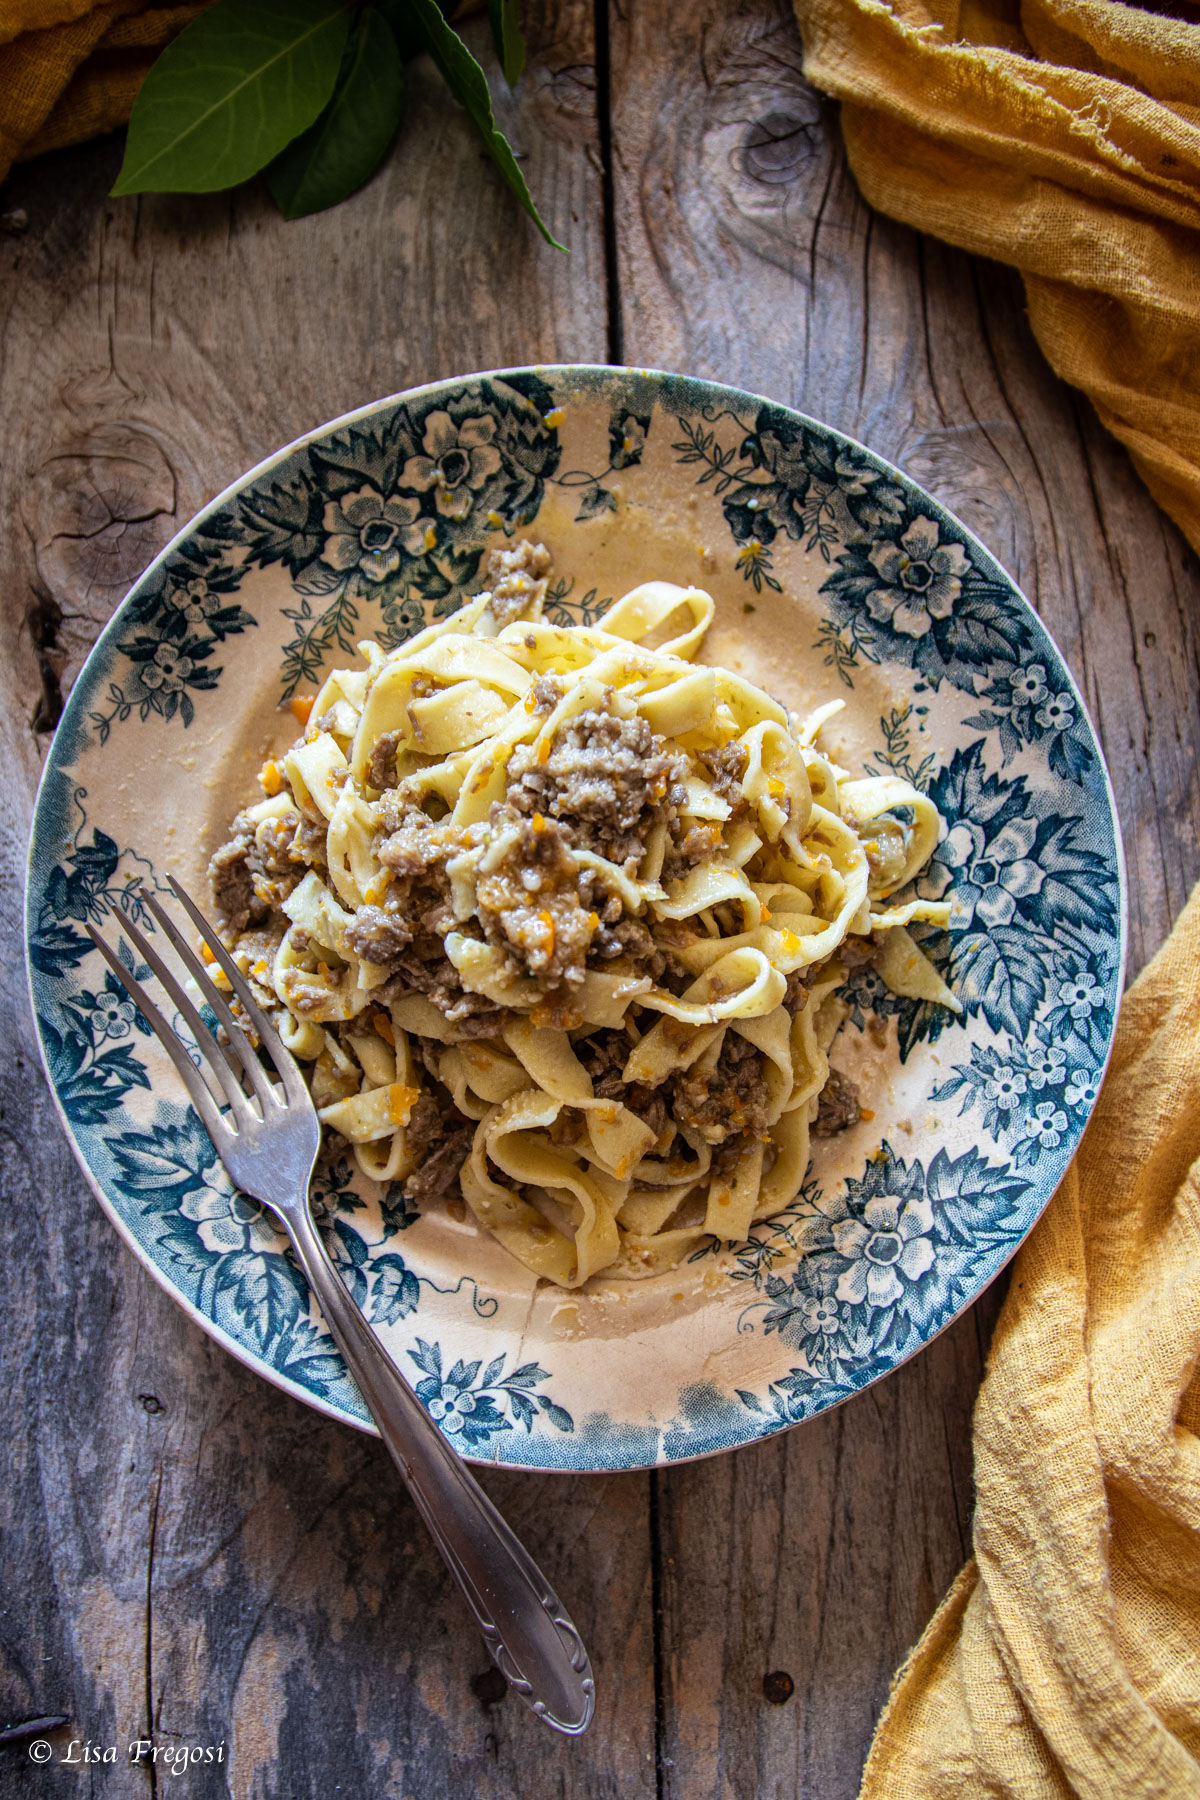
(559, 916)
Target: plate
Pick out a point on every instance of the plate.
(834, 576)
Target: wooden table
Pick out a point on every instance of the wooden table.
(189, 1553)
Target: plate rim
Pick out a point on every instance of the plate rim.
(757, 1431)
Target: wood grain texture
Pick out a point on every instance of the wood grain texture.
(189, 1552)
(745, 253)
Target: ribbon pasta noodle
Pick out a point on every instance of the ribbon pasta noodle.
(559, 915)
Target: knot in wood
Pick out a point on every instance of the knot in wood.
(98, 510)
(778, 1687)
(490, 1687)
(97, 507)
(776, 147)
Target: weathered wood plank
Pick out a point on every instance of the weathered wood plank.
(746, 254)
(190, 1552)
(196, 1550)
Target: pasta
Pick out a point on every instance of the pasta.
(559, 916)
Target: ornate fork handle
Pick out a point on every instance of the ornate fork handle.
(526, 1627)
(268, 1149)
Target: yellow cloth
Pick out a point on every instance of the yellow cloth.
(70, 69)
(1066, 1659)
(1062, 136)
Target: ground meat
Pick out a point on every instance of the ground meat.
(726, 768)
(605, 776)
(260, 865)
(415, 854)
(853, 952)
(733, 1097)
(233, 888)
(487, 1021)
(837, 1106)
(567, 1129)
(427, 1122)
(545, 693)
(283, 847)
(257, 946)
(795, 996)
(604, 1055)
(530, 906)
(516, 579)
(646, 1103)
(381, 764)
(700, 843)
(406, 933)
(603, 785)
(630, 938)
(423, 968)
(610, 1086)
(550, 942)
(377, 936)
(649, 1106)
(727, 1156)
(309, 843)
(435, 978)
(440, 1139)
(412, 846)
(271, 846)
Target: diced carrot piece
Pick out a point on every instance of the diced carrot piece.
(401, 1101)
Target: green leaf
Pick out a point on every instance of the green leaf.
(238, 84)
(405, 29)
(346, 145)
(504, 18)
(468, 83)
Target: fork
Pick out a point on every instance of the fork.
(269, 1150)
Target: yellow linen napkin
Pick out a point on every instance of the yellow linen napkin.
(70, 69)
(1066, 1658)
(1062, 136)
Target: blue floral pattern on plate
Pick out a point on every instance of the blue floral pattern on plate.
(381, 521)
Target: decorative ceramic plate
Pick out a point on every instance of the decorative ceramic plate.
(833, 575)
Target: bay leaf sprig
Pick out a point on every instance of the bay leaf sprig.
(506, 35)
(308, 92)
(237, 85)
(349, 139)
(468, 83)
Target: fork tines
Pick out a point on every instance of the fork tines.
(237, 1081)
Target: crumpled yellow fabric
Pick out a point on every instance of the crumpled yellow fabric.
(70, 69)
(1066, 1659)
(1062, 136)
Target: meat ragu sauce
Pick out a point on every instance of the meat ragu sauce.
(555, 866)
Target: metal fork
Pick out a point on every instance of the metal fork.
(269, 1149)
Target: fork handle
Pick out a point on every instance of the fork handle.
(525, 1626)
